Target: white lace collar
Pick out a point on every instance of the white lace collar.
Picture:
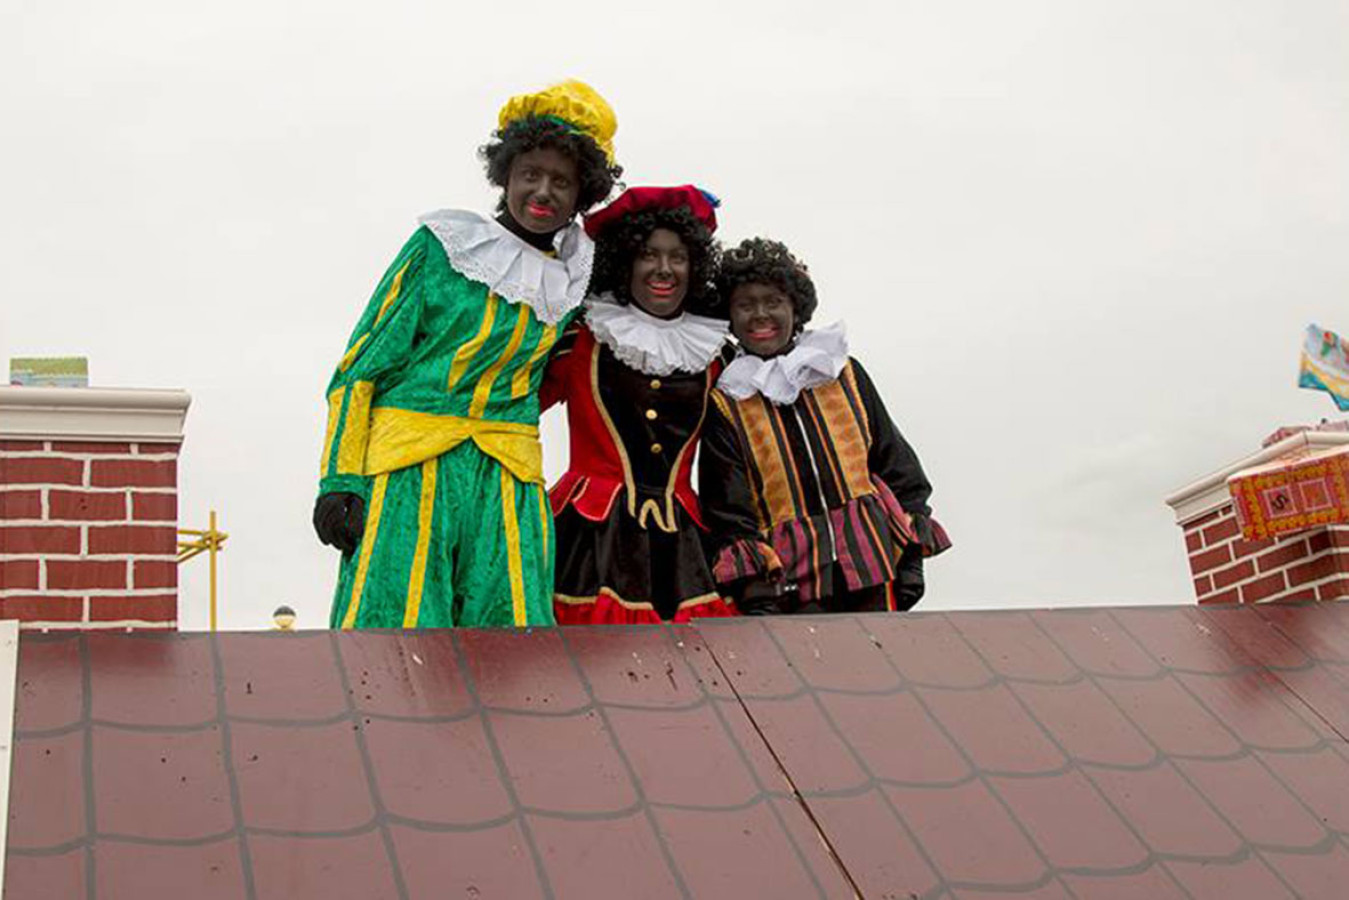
(483, 250)
(819, 356)
(655, 346)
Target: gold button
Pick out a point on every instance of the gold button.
(656, 448)
(655, 384)
(651, 414)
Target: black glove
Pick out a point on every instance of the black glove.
(339, 520)
(909, 584)
(760, 597)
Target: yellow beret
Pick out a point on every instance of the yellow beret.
(574, 102)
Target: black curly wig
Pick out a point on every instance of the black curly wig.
(764, 261)
(618, 245)
(596, 174)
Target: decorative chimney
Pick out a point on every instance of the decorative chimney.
(89, 506)
(1298, 562)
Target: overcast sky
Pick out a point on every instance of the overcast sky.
(1076, 242)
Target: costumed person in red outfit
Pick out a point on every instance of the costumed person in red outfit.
(815, 501)
(636, 378)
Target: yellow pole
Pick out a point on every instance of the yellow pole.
(212, 545)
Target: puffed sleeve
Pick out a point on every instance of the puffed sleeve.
(380, 344)
(894, 462)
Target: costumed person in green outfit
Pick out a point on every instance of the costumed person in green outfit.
(815, 501)
(431, 477)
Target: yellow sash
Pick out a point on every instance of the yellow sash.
(400, 437)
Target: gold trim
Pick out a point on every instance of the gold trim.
(367, 548)
(520, 382)
(465, 353)
(355, 430)
(513, 562)
(425, 516)
(571, 600)
(628, 482)
(482, 391)
(334, 416)
(679, 459)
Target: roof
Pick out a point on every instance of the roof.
(1153, 753)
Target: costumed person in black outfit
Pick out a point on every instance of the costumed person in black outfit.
(815, 501)
(636, 378)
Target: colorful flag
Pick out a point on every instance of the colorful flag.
(1325, 365)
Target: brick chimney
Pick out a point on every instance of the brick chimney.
(1307, 564)
(89, 506)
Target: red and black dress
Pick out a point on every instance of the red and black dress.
(808, 485)
(630, 535)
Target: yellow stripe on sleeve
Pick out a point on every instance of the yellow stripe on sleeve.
(425, 511)
(334, 416)
(355, 430)
(470, 348)
(367, 547)
(520, 383)
(483, 390)
(513, 561)
(389, 297)
(394, 290)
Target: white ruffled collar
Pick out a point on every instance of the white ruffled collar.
(655, 346)
(819, 356)
(483, 250)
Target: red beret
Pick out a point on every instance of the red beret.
(640, 199)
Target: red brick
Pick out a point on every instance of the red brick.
(1263, 588)
(1335, 590)
(156, 608)
(1193, 541)
(1319, 541)
(153, 573)
(19, 573)
(90, 447)
(80, 574)
(40, 539)
(133, 473)
(154, 507)
(22, 446)
(157, 448)
(41, 470)
(1231, 575)
(1228, 596)
(1304, 594)
(1322, 567)
(1339, 537)
(42, 609)
(1225, 510)
(1241, 548)
(85, 506)
(1221, 531)
(1210, 559)
(1202, 585)
(1282, 555)
(20, 504)
(133, 539)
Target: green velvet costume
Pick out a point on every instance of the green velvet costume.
(433, 420)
